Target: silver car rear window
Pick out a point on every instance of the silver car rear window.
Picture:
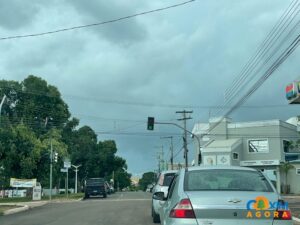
(226, 180)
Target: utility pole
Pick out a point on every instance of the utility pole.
(184, 119)
(1, 104)
(76, 178)
(171, 150)
(160, 158)
(51, 166)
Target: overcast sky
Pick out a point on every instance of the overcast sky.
(116, 75)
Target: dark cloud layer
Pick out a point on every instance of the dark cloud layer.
(184, 56)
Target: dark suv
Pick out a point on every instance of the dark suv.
(95, 187)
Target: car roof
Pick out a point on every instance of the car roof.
(168, 171)
(194, 168)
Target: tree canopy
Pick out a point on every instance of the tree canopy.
(33, 116)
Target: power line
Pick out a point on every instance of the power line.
(261, 49)
(145, 104)
(267, 45)
(95, 24)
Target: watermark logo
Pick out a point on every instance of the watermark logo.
(262, 207)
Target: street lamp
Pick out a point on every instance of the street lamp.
(76, 171)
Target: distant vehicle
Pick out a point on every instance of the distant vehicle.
(162, 185)
(222, 195)
(149, 187)
(95, 187)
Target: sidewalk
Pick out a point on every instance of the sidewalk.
(22, 206)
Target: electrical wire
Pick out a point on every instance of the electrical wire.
(262, 48)
(95, 24)
(262, 53)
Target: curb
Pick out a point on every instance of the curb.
(22, 207)
(16, 210)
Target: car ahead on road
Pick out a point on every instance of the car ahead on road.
(222, 195)
(95, 187)
(162, 185)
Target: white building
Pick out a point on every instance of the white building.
(263, 145)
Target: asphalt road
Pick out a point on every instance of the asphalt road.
(118, 209)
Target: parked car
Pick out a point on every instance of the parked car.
(162, 185)
(222, 195)
(95, 187)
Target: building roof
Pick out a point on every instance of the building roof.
(202, 128)
(222, 145)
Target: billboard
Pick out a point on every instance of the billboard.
(292, 92)
(22, 183)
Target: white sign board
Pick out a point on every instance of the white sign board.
(63, 170)
(260, 163)
(37, 193)
(67, 164)
(22, 183)
(223, 160)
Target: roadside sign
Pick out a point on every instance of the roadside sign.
(25, 183)
(64, 170)
(67, 164)
(37, 193)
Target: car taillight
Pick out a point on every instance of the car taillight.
(183, 209)
(283, 215)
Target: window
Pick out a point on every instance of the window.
(235, 156)
(287, 145)
(258, 146)
(298, 171)
(172, 186)
(226, 180)
(168, 179)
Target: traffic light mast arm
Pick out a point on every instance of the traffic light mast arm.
(175, 124)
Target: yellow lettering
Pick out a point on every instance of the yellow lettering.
(276, 214)
(267, 214)
(258, 214)
(249, 214)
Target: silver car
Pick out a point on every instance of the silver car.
(162, 185)
(222, 195)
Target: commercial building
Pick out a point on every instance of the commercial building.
(264, 145)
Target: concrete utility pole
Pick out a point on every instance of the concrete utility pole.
(1, 104)
(185, 118)
(76, 171)
(51, 166)
(160, 158)
(171, 150)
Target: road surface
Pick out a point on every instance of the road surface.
(118, 209)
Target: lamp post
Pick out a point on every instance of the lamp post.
(76, 171)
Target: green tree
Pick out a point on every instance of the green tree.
(285, 168)
(147, 178)
(122, 179)
(20, 152)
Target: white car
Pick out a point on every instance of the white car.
(222, 196)
(162, 185)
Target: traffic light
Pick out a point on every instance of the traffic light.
(55, 157)
(150, 124)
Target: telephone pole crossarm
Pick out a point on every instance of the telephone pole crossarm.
(175, 124)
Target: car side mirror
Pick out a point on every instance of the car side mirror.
(159, 196)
